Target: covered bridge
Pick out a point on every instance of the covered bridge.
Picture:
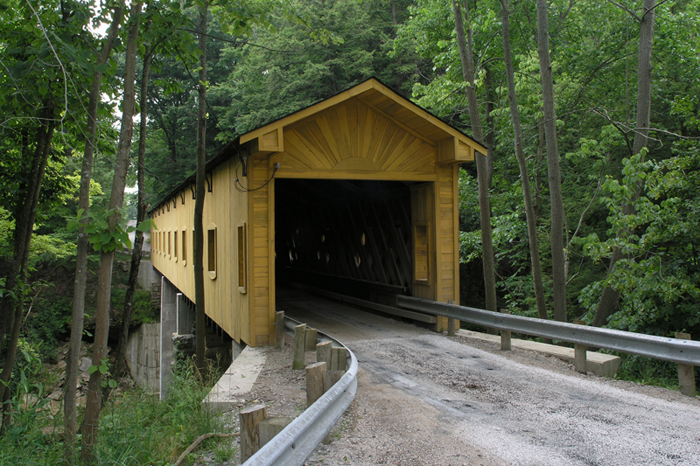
(355, 195)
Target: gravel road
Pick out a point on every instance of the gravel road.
(425, 399)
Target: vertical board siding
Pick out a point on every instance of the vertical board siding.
(446, 205)
(354, 135)
(260, 252)
(224, 207)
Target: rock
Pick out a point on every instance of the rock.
(29, 400)
(55, 395)
(50, 430)
(85, 364)
(54, 407)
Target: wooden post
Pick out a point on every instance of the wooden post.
(505, 335)
(311, 335)
(314, 382)
(451, 323)
(686, 372)
(279, 329)
(580, 353)
(250, 419)
(330, 378)
(338, 359)
(271, 427)
(323, 352)
(299, 347)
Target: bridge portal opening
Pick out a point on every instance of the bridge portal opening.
(351, 237)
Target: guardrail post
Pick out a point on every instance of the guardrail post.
(279, 329)
(686, 372)
(338, 359)
(451, 323)
(314, 382)
(299, 347)
(250, 419)
(270, 427)
(323, 352)
(311, 335)
(505, 335)
(580, 353)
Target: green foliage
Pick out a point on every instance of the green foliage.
(659, 275)
(102, 237)
(326, 47)
(136, 428)
(595, 88)
(648, 371)
(142, 311)
(24, 441)
(49, 321)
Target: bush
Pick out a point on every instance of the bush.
(49, 323)
(29, 437)
(142, 308)
(135, 427)
(138, 428)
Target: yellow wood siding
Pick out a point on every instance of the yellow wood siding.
(225, 207)
(352, 140)
(261, 237)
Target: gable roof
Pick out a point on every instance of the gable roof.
(381, 98)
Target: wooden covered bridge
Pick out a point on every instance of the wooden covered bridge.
(355, 195)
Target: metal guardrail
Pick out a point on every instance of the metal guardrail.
(667, 349)
(298, 440)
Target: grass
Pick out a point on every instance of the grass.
(648, 371)
(135, 427)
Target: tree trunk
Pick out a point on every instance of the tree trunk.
(121, 366)
(490, 136)
(555, 193)
(610, 299)
(104, 282)
(466, 54)
(78, 313)
(200, 351)
(522, 165)
(24, 226)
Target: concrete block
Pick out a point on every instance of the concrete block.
(238, 378)
(606, 365)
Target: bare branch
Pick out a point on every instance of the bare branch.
(623, 7)
(653, 8)
(65, 77)
(585, 211)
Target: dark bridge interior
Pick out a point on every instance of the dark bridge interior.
(345, 236)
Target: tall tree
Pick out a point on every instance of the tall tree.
(466, 55)
(610, 298)
(200, 350)
(78, 314)
(530, 215)
(554, 170)
(34, 102)
(93, 405)
(23, 235)
(134, 265)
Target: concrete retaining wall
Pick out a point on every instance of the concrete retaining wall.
(147, 275)
(143, 356)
